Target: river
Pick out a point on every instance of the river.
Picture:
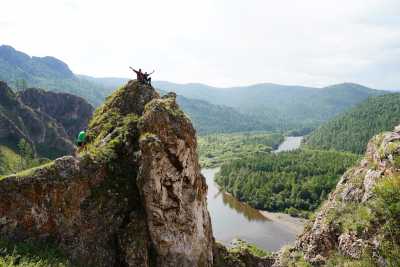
(233, 219)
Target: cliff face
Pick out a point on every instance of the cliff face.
(43, 132)
(72, 112)
(359, 223)
(134, 197)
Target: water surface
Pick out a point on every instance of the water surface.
(233, 219)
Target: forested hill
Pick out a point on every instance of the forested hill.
(295, 182)
(21, 71)
(208, 118)
(352, 130)
(283, 107)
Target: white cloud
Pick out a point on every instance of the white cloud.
(219, 42)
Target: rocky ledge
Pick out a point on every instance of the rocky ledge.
(359, 224)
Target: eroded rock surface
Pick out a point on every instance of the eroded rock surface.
(133, 197)
(71, 111)
(345, 224)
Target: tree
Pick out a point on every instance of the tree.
(26, 154)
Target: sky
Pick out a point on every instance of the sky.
(217, 42)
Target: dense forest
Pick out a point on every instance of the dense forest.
(294, 182)
(215, 149)
(352, 130)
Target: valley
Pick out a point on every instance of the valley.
(282, 167)
(232, 219)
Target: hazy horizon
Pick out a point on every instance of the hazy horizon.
(218, 43)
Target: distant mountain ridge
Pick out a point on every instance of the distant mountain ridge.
(45, 72)
(263, 106)
(283, 107)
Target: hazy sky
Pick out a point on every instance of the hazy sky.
(218, 42)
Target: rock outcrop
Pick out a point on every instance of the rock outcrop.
(133, 197)
(359, 221)
(239, 256)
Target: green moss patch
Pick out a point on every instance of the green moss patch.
(241, 246)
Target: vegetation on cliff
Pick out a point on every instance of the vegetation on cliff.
(9, 160)
(293, 182)
(378, 218)
(134, 196)
(241, 254)
(31, 254)
(352, 130)
(215, 149)
(359, 224)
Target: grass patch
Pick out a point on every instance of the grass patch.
(9, 160)
(241, 245)
(338, 260)
(31, 254)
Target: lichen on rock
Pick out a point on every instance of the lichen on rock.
(358, 224)
(133, 197)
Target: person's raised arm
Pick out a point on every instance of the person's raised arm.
(133, 69)
(152, 72)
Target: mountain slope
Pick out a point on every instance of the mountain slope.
(48, 121)
(45, 72)
(208, 118)
(18, 121)
(283, 107)
(352, 130)
(72, 112)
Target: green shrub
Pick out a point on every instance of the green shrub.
(29, 254)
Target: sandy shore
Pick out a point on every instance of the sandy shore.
(294, 224)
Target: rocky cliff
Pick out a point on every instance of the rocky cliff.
(49, 121)
(18, 121)
(359, 224)
(72, 112)
(133, 197)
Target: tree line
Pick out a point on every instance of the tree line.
(294, 182)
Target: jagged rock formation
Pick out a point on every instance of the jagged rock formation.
(17, 120)
(72, 112)
(134, 197)
(360, 220)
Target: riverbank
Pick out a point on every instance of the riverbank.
(295, 224)
(232, 219)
